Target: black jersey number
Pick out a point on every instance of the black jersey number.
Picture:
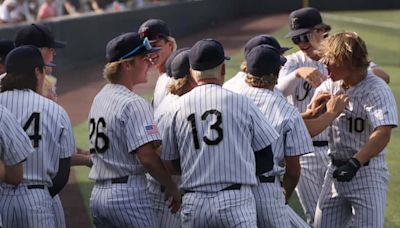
(356, 124)
(35, 120)
(96, 131)
(307, 87)
(215, 126)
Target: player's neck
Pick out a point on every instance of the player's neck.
(354, 79)
(208, 81)
(161, 69)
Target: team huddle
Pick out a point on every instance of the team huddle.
(205, 153)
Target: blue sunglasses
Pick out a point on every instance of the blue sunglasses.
(146, 44)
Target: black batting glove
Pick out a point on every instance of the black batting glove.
(347, 171)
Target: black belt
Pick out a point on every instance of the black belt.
(120, 180)
(264, 179)
(35, 186)
(230, 187)
(320, 143)
(339, 163)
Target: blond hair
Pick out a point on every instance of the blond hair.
(179, 86)
(344, 49)
(243, 66)
(213, 73)
(112, 71)
(261, 82)
(174, 45)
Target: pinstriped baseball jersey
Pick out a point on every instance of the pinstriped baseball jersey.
(294, 139)
(214, 133)
(371, 104)
(49, 128)
(14, 143)
(304, 91)
(160, 91)
(120, 122)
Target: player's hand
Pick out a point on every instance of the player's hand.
(337, 104)
(174, 195)
(312, 75)
(317, 105)
(346, 172)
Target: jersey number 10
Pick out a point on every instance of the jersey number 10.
(216, 126)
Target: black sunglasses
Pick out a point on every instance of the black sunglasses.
(300, 39)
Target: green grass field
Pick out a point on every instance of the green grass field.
(384, 48)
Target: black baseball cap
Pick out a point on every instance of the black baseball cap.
(263, 39)
(5, 47)
(264, 60)
(206, 54)
(180, 66)
(127, 45)
(171, 57)
(154, 29)
(37, 35)
(23, 59)
(303, 20)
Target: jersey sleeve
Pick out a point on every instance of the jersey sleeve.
(15, 145)
(381, 108)
(67, 140)
(297, 139)
(264, 134)
(141, 127)
(169, 141)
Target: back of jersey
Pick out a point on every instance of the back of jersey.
(49, 129)
(216, 133)
(119, 122)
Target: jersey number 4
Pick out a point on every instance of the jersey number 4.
(35, 120)
(95, 130)
(216, 126)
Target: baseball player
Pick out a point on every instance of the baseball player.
(181, 82)
(14, 148)
(238, 81)
(158, 33)
(263, 64)
(356, 180)
(123, 141)
(48, 126)
(214, 137)
(40, 36)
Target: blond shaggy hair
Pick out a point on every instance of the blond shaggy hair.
(112, 71)
(179, 86)
(261, 82)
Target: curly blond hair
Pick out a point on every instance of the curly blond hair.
(261, 82)
(179, 86)
(344, 49)
(112, 71)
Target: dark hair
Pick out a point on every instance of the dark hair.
(20, 81)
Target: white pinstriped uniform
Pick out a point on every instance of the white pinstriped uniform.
(167, 219)
(294, 140)
(160, 90)
(120, 122)
(313, 165)
(214, 132)
(371, 104)
(49, 128)
(58, 212)
(15, 145)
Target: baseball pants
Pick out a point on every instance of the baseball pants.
(361, 201)
(271, 208)
(313, 169)
(58, 212)
(163, 213)
(26, 207)
(230, 208)
(123, 204)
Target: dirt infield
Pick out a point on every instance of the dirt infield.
(78, 88)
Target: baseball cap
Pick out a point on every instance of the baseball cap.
(304, 20)
(154, 29)
(206, 54)
(37, 35)
(171, 57)
(263, 39)
(23, 59)
(5, 47)
(127, 45)
(180, 65)
(264, 60)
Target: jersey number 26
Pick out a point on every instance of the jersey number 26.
(96, 130)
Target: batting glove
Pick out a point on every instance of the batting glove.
(347, 171)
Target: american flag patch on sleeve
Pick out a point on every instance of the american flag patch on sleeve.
(151, 129)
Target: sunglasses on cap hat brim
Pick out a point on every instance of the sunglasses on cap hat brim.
(303, 38)
(148, 49)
